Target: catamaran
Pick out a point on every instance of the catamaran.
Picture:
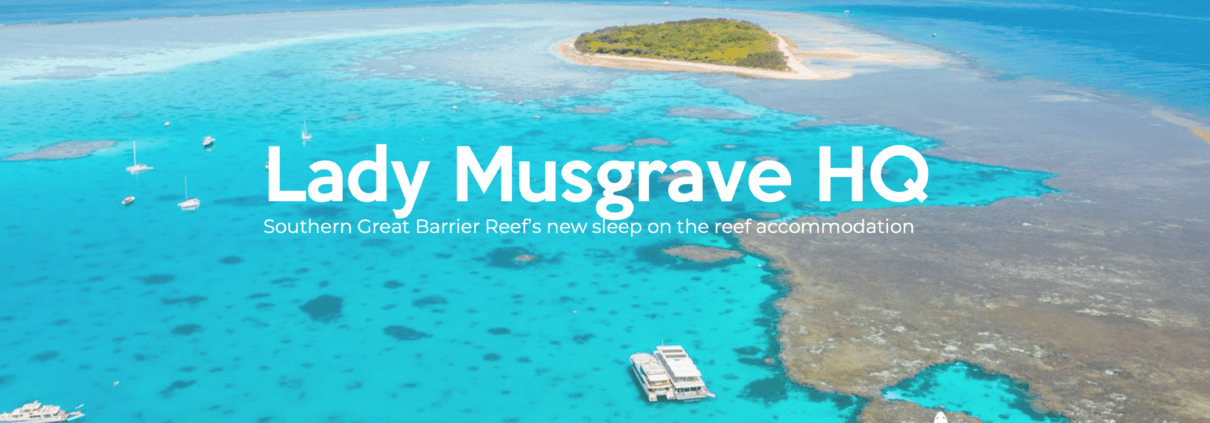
(305, 136)
(669, 373)
(189, 203)
(208, 141)
(940, 418)
(137, 167)
(35, 412)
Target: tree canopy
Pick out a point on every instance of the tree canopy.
(717, 41)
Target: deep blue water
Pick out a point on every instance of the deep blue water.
(202, 317)
(1149, 49)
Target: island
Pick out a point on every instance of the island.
(698, 45)
(717, 41)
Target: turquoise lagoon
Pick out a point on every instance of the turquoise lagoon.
(969, 388)
(202, 317)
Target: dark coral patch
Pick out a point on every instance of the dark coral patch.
(392, 284)
(768, 390)
(376, 242)
(324, 308)
(231, 260)
(324, 212)
(749, 350)
(404, 333)
(158, 279)
(44, 356)
(188, 329)
(192, 299)
(499, 331)
(429, 300)
(491, 357)
(180, 384)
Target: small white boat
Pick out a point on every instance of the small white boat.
(126, 201)
(536, 117)
(208, 141)
(455, 107)
(305, 135)
(35, 412)
(166, 123)
(669, 373)
(940, 418)
(137, 167)
(189, 203)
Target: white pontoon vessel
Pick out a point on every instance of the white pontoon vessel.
(669, 373)
(35, 412)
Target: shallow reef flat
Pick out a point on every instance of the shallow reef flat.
(1096, 296)
(63, 150)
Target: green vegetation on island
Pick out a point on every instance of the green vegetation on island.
(716, 41)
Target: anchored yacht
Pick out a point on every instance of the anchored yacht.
(669, 373)
(306, 136)
(189, 203)
(137, 167)
(35, 412)
(208, 141)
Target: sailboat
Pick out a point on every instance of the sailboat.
(189, 203)
(305, 136)
(137, 167)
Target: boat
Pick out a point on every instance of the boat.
(137, 167)
(189, 203)
(126, 201)
(166, 123)
(651, 375)
(940, 418)
(669, 373)
(305, 136)
(35, 412)
(208, 141)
